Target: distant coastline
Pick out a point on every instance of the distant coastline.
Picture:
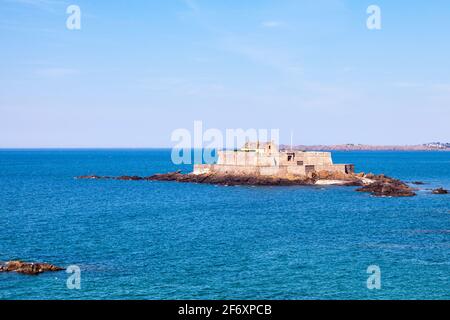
(434, 146)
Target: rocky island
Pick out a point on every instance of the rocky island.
(29, 268)
(263, 164)
(440, 191)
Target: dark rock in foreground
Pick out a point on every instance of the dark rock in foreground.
(440, 191)
(378, 185)
(28, 268)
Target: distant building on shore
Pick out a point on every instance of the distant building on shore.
(265, 158)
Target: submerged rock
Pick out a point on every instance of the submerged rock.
(129, 178)
(27, 267)
(440, 191)
(94, 177)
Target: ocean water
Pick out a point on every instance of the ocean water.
(168, 240)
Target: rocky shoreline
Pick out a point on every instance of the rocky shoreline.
(377, 185)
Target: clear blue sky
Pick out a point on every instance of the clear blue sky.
(137, 70)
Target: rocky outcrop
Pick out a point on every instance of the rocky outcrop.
(378, 185)
(387, 187)
(231, 180)
(28, 268)
(440, 191)
(330, 175)
(124, 178)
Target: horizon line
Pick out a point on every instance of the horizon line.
(171, 147)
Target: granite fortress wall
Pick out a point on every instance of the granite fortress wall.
(257, 158)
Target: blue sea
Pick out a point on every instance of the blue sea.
(168, 240)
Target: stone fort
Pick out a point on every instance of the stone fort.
(256, 158)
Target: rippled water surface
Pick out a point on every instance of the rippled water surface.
(161, 240)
